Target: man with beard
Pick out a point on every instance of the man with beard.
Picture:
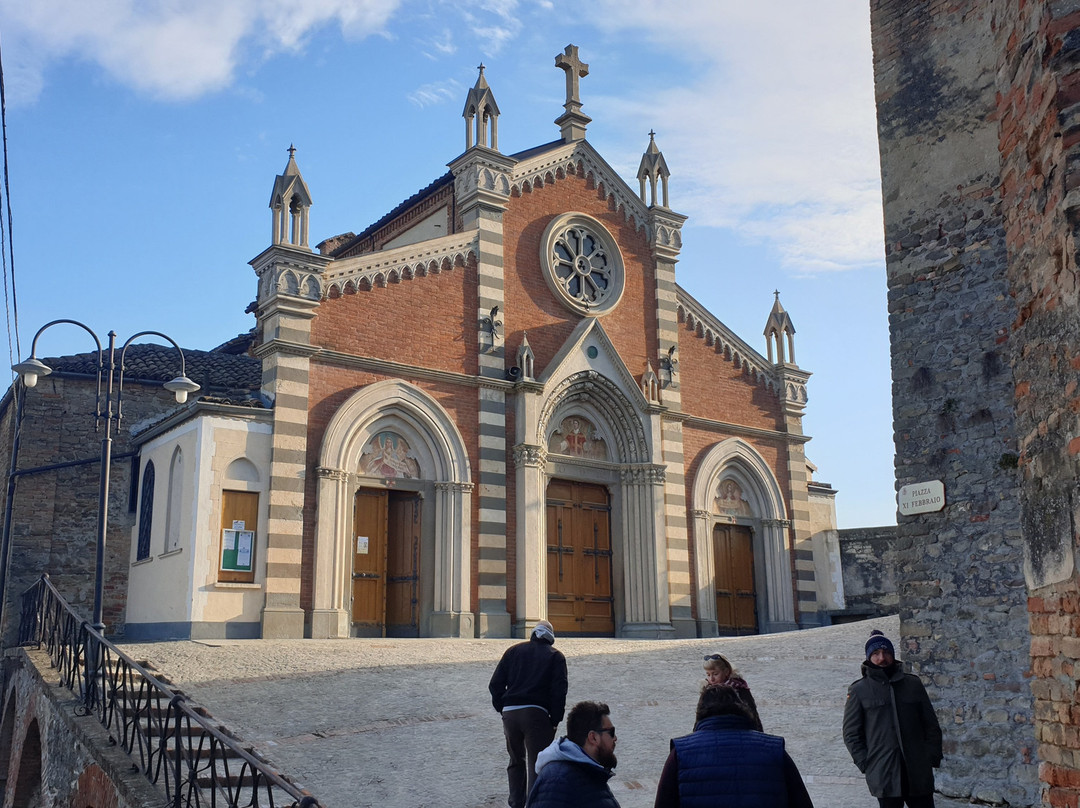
(891, 730)
(574, 771)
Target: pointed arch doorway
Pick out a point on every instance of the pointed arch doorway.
(386, 563)
(580, 599)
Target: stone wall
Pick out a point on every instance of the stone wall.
(961, 594)
(1039, 87)
(51, 757)
(55, 514)
(869, 564)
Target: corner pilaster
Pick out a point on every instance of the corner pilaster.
(666, 240)
(482, 189)
(793, 403)
(289, 292)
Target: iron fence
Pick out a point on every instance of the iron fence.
(174, 743)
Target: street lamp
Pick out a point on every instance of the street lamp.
(31, 369)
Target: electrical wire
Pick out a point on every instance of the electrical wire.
(7, 241)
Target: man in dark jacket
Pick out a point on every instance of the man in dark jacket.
(574, 771)
(726, 762)
(891, 730)
(528, 689)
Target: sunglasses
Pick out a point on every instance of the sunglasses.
(608, 730)
(714, 658)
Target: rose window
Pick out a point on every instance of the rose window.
(582, 264)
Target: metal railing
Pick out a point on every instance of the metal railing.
(175, 744)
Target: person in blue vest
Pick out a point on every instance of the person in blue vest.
(726, 763)
(891, 730)
(528, 689)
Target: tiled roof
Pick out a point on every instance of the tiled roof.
(442, 181)
(159, 363)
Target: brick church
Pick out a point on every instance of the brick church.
(574, 438)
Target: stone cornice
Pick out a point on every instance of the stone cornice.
(289, 305)
(401, 263)
(286, 347)
(726, 341)
(736, 429)
(197, 409)
(398, 369)
(286, 255)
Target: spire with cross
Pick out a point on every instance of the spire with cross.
(573, 121)
(481, 115)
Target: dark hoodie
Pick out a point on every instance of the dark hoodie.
(531, 672)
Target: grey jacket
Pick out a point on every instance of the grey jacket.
(889, 722)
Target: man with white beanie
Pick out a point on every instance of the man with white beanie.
(528, 689)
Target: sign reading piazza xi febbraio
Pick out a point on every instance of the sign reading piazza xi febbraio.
(924, 497)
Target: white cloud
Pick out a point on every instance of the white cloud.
(172, 49)
(773, 132)
(437, 93)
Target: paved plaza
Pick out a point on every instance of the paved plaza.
(408, 723)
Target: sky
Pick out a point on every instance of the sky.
(143, 138)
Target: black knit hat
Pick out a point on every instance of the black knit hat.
(878, 640)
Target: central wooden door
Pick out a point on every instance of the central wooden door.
(736, 600)
(386, 563)
(579, 559)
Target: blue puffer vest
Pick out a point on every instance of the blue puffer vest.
(726, 763)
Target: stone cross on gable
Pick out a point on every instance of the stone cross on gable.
(575, 68)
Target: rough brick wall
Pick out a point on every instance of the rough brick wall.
(54, 519)
(961, 594)
(1039, 87)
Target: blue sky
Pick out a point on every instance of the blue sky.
(144, 137)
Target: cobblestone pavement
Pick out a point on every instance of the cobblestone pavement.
(404, 723)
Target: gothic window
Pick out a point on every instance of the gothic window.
(146, 512)
(173, 506)
(582, 263)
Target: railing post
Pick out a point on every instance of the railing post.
(174, 706)
(89, 682)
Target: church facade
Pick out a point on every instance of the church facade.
(574, 438)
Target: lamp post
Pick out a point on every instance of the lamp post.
(31, 369)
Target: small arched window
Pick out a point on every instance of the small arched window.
(146, 512)
(172, 506)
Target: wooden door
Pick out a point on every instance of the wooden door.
(403, 565)
(735, 596)
(579, 559)
(369, 562)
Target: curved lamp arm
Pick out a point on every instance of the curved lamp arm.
(32, 368)
(179, 386)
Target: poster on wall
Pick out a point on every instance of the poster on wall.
(236, 550)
